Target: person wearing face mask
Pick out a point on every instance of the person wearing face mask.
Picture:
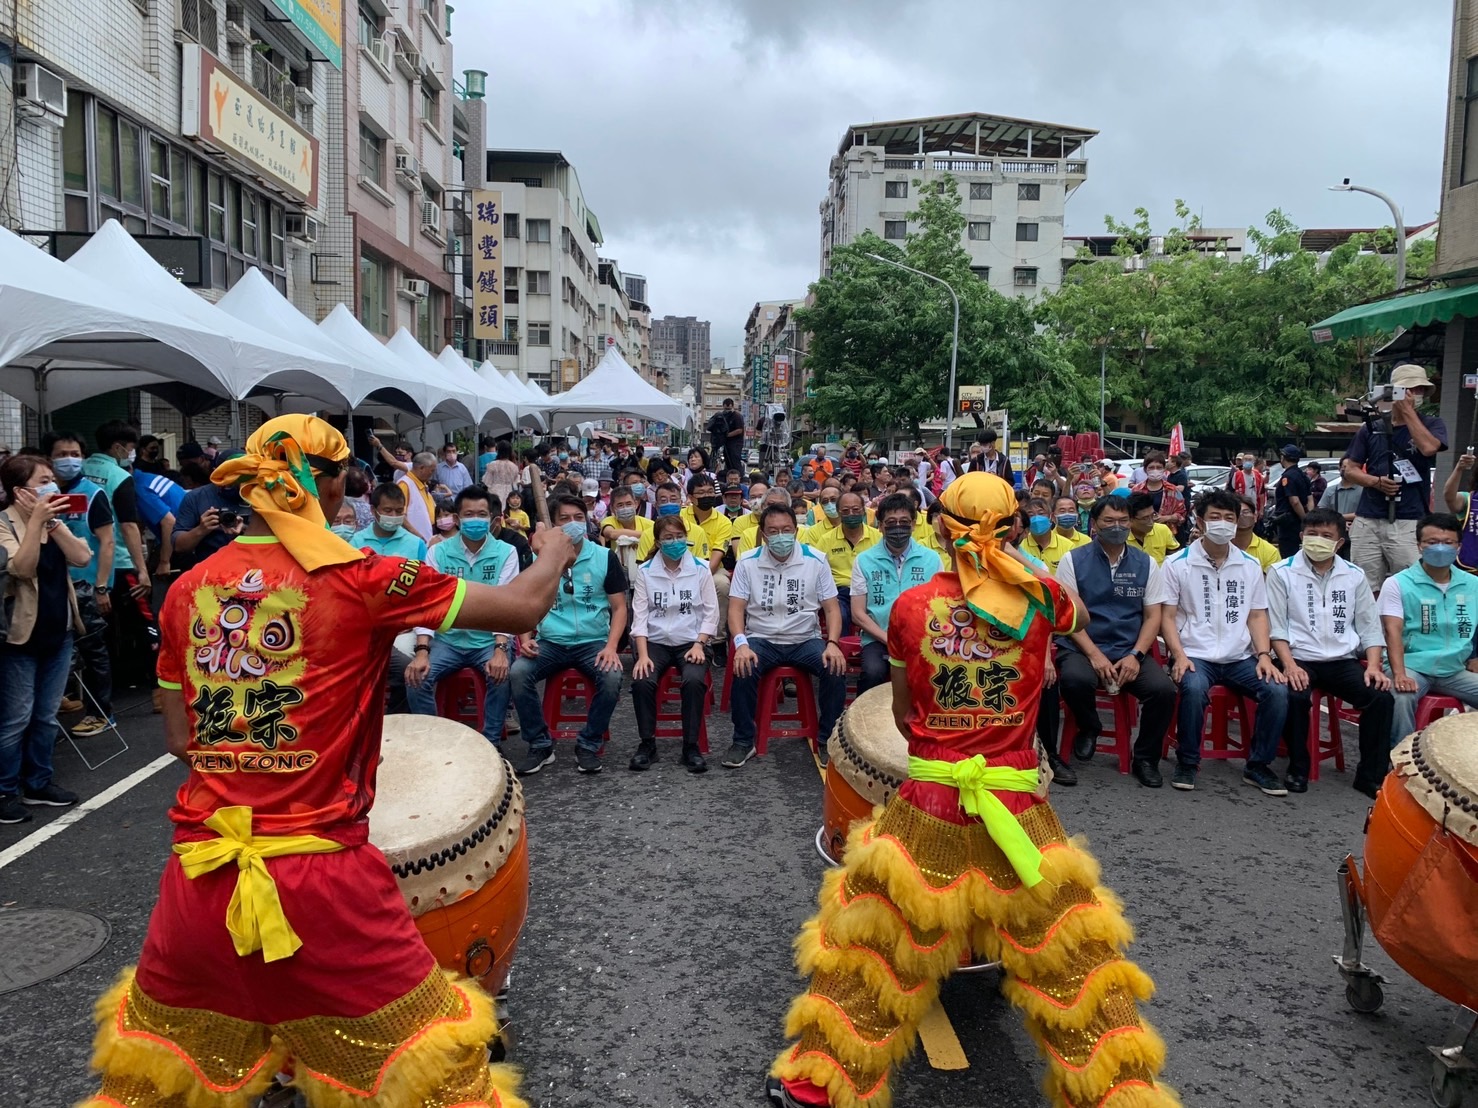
(1426, 613)
(1247, 480)
(625, 530)
(1114, 581)
(702, 514)
(474, 554)
(450, 471)
(734, 510)
(388, 534)
(674, 618)
(1214, 618)
(135, 638)
(827, 512)
(1324, 620)
(90, 583)
(36, 551)
(444, 523)
(581, 632)
(1041, 539)
(1069, 522)
(841, 544)
(1166, 497)
(778, 590)
(669, 503)
(344, 522)
(1396, 450)
(749, 530)
(881, 573)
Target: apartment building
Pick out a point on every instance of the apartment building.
(685, 336)
(1457, 245)
(398, 171)
(639, 328)
(774, 355)
(612, 309)
(551, 270)
(469, 133)
(719, 385)
(213, 118)
(1015, 177)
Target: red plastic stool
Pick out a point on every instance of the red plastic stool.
(1216, 744)
(771, 712)
(567, 684)
(1118, 738)
(723, 702)
(1429, 708)
(462, 696)
(670, 708)
(1332, 745)
(851, 648)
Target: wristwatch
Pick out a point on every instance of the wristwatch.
(423, 647)
(1139, 656)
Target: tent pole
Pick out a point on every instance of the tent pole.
(43, 416)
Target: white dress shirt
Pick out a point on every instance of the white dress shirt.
(1211, 604)
(674, 606)
(781, 599)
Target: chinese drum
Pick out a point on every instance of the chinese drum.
(448, 817)
(867, 760)
(1420, 886)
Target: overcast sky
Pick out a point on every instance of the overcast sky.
(702, 129)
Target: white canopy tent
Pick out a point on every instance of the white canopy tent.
(466, 401)
(612, 389)
(65, 336)
(511, 387)
(424, 395)
(503, 413)
(258, 358)
(255, 300)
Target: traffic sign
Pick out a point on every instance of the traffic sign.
(972, 399)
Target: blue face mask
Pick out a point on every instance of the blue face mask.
(669, 509)
(830, 508)
(47, 490)
(1068, 521)
(782, 546)
(343, 530)
(563, 456)
(1041, 524)
(674, 548)
(638, 490)
(474, 528)
(575, 529)
(1439, 555)
(68, 469)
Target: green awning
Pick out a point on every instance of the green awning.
(1384, 317)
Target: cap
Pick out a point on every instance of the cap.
(1410, 376)
(214, 440)
(588, 487)
(188, 451)
(737, 490)
(605, 480)
(1291, 451)
(921, 450)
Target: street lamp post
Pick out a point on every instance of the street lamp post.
(1400, 225)
(954, 352)
(1102, 386)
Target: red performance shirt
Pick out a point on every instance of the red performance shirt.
(972, 689)
(283, 674)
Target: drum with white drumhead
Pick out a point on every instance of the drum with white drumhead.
(867, 760)
(448, 816)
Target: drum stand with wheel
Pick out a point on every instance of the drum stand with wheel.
(1362, 984)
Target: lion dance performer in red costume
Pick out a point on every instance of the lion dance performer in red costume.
(280, 937)
(969, 856)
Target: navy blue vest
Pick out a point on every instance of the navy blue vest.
(1114, 597)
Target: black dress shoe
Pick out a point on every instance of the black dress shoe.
(694, 761)
(646, 754)
(1148, 775)
(1084, 746)
(1296, 783)
(1367, 788)
(1062, 773)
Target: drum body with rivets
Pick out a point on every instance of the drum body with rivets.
(867, 760)
(448, 816)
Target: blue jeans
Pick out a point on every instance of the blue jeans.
(844, 598)
(31, 687)
(447, 659)
(528, 672)
(1462, 685)
(744, 697)
(1241, 677)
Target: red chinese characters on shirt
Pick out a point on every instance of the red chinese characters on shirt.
(972, 689)
(283, 675)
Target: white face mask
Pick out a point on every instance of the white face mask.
(1220, 531)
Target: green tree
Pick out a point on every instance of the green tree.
(880, 337)
(1216, 344)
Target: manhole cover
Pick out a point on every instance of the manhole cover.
(42, 943)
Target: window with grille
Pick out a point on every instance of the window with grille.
(200, 21)
(979, 190)
(1026, 275)
(895, 228)
(981, 271)
(1029, 192)
(895, 190)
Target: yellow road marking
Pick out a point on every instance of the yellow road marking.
(941, 1044)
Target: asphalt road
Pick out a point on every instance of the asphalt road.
(655, 966)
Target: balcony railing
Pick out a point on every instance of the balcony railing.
(507, 349)
(275, 84)
(198, 20)
(903, 163)
(1076, 167)
(1030, 167)
(987, 165)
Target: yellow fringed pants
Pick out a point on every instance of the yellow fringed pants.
(915, 894)
(425, 1050)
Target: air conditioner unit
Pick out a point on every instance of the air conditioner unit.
(40, 93)
(409, 62)
(407, 164)
(431, 215)
(415, 288)
(381, 51)
(305, 96)
(300, 226)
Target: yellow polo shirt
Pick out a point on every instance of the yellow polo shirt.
(839, 553)
(1076, 540)
(1049, 555)
(1265, 552)
(1158, 543)
(718, 528)
(640, 524)
(923, 534)
(697, 542)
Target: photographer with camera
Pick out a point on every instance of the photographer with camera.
(1396, 447)
(209, 518)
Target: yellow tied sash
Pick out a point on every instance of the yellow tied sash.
(977, 783)
(254, 916)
